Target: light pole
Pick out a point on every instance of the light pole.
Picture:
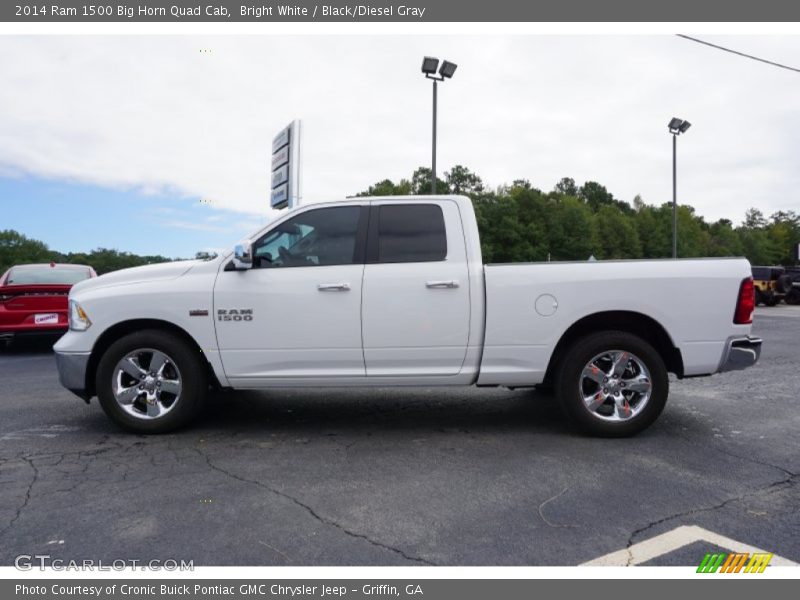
(429, 66)
(676, 127)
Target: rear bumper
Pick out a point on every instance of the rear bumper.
(11, 334)
(740, 353)
(72, 368)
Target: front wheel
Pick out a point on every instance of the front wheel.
(151, 382)
(612, 384)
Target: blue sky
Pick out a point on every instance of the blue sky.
(143, 223)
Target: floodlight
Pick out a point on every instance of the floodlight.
(675, 124)
(447, 69)
(429, 65)
(684, 126)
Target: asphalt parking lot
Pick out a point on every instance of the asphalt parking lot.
(393, 477)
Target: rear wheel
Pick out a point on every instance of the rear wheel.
(151, 382)
(783, 285)
(612, 384)
(770, 299)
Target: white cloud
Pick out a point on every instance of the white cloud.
(155, 114)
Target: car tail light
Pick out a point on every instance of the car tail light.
(746, 303)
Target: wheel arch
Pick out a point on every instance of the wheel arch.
(629, 321)
(123, 328)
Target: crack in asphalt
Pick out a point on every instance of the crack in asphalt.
(787, 482)
(310, 510)
(27, 499)
(726, 452)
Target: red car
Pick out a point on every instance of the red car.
(33, 298)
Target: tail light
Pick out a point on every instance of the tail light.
(746, 303)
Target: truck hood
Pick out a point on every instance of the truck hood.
(170, 270)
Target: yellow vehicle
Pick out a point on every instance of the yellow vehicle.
(772, 284)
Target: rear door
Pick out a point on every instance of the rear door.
(416, 307)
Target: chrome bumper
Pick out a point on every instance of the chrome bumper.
(740, 353)
(72, 368)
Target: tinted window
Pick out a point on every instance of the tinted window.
(776, 274)
(315, 238)
(411, 233)
(46, 276)
(760, 273)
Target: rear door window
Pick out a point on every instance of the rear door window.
(410, 233)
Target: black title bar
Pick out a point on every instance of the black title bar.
(413, 11)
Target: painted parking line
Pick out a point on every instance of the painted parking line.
(673, 540)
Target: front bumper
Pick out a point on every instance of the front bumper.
(740, 353)
(72, 367)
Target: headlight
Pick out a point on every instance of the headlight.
(78, 321)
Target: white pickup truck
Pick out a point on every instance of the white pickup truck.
(393, 292)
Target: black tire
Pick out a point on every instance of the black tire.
(784, 284)
(759, 297)
(770, 299)
(569, 380)
(191, 373)
(793, 297)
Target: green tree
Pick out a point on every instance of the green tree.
(723, 240)
(460, 180)
(616, 234)
(566, 187)
(16, 248)
(388, 188)
(654, 226)
(571, 230)
(421, 183)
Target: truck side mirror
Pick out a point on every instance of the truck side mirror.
(242, 256)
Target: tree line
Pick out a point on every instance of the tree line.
(16, 248)
(521, 223)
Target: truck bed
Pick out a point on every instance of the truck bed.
(529, 306)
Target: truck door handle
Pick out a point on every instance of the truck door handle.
(441, 285)
(333, 287)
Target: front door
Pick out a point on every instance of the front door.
(297, 312)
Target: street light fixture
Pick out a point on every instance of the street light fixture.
(446, 71)
(676, 127)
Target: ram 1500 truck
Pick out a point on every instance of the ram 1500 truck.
(393, 292)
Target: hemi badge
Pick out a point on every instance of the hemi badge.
(198, 313)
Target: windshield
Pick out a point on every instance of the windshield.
(46, 276)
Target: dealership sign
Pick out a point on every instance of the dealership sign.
(285, 167)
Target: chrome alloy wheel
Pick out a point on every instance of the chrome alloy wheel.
(615, 385)
(146, 383)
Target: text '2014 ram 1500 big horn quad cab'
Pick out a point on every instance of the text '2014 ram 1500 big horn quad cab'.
(393, 292)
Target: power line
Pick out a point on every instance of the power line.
(750, 56)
